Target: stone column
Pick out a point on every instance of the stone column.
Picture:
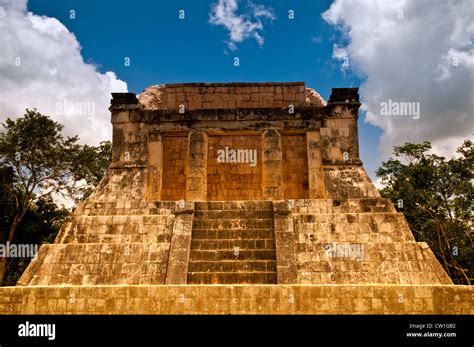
(129, 136)
(196, 166)
(178, 258)
(155, 167)
(272, 170)
(343, 111)
(315, 165)
(285, 243)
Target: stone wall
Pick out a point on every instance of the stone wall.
(120, 185)
(174, 167)
(234, 181)
(308, 149)
(126, 242)
(194, 96)
(240, 299)
(350, 241)
(345, 182)
(295, 167)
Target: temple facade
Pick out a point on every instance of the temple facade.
(255, 186)
(235, 183)
(239, 141)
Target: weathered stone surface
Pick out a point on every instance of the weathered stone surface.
(178, 207)
(229, 95)
(272, 165)
(238, 299)
(180, 245)
(232, 245)
(196, 173)
(313, 98)
(304, 147)
(315, 165)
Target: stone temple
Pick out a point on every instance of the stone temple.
(235, 198)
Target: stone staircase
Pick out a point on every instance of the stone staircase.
(232, 243)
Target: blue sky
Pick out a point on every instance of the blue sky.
(418, 51)
(165, 49)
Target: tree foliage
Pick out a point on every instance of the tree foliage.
(40, 224)
(436, 196)
(36, 161)
(89, 166)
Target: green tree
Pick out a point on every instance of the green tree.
(90, 165)
(40, 224)
(38, 161)
(436, 196)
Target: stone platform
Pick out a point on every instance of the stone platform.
(325, 241)
(238, 299)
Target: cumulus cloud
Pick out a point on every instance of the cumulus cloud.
(411, 51)
(243, 26)
(41, 67)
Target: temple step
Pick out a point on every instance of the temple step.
(232, 243)
(226, 244)
(233, 266)
(249, 234)
(231, 278)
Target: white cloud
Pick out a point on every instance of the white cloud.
(416, 51)
(378, 183)
(41, 67)
(243, 26)
(339, 52)
(317, 39)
